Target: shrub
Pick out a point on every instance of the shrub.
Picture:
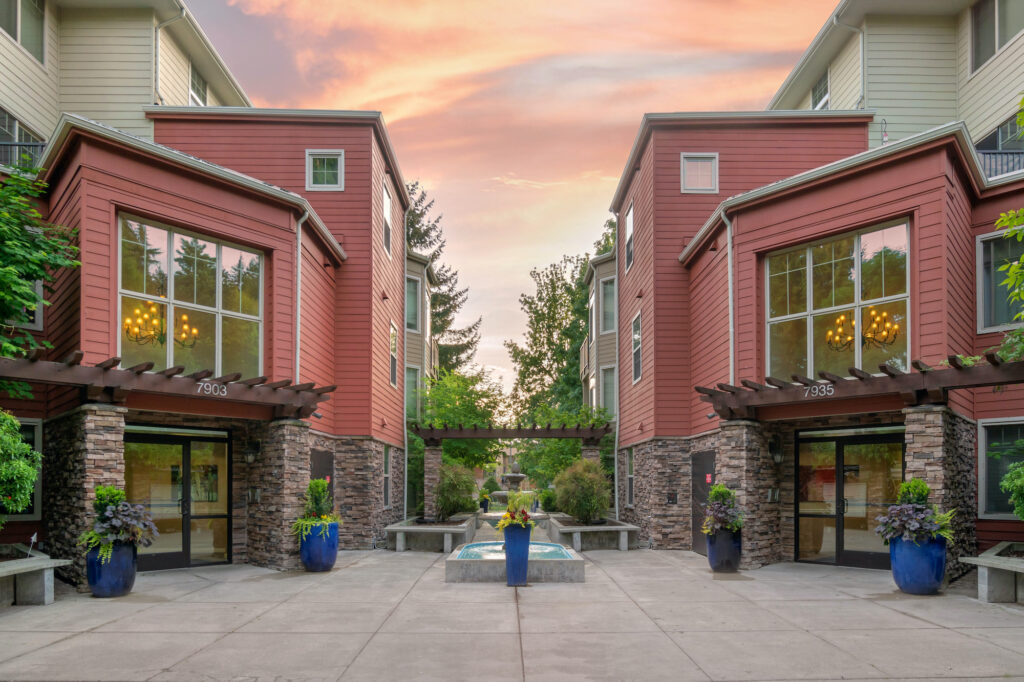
(491, 485)
(912, 519)
(19, 466)
(1013, 483)
(721, 511)
(454, 492)
(107, 496)
(582, 491)
(117, 522)
(913, 491)
(318, 512)
(548, 501)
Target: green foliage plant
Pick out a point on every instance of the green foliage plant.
(721, 512)
(318, 513)
(582, 491)
(548, 500)
(468, 398)
(454, 492)
(913, 491)
(1013, 483)
(517, 514)
(19, 467)
(117, 521)
(491, 485)
(911, 519)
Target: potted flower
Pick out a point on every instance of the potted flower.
(485, 501)
(317, 528)
(916, 534)
(112, 546)
(516, 524)
(722, 524)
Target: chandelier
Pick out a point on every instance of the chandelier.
(838, 339)
(148, 326)
(882, 332)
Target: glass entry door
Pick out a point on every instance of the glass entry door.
(184, 481)
(843, 482)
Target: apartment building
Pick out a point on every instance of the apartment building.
(842, 234)
(597, 353)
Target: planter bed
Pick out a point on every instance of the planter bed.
(1000, 577)
(422, 537)
(27, 580)
(609, 535)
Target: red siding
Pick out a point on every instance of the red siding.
(316, 354)
(709, 334)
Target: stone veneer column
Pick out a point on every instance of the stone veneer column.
(744, 465)
(281, 475)
(940, 451)
(592, 453)
(661, 492)
(82, 449)
(431, 477)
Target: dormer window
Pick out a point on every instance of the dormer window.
(196, 88)
(820, 93)
(24, 20)
(994, 23)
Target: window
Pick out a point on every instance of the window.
(995, 311)
(607, 305)
(636, 349)
(31, 433)
(592, 391)
(25, 21)
(412, 393)
(820, 295)
(387, 476)
(386, 212)
(189, 300)
(1000, 445)
(325, 170)
(994, 23)
(196, 87)
(820, 93)
(17, 141)
(591, 320)
(1007, 137)
(698, 173)
(629, 237)
(629, 477)
(608, 392)
(394, 355)
(412, 304)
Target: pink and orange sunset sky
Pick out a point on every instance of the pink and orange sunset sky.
(516, 116)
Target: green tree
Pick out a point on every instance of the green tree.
(19, 466)
(424, 233)
(1012, 224)
(31, 251)
(607, 241)
(542, 459)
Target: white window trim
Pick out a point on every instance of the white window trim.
(600, 289)
(42, 63)
(828, 91)
(976, 68)
(37, 513)
(171, 303)
(592, 322)
(979, 264)
(629, 228)
(632, 349)
(36, 326)
(983, 463)
(385, 221)
(683, 156)
(419, 305)
(615, 381)
(310, 154)
(419, 378)
(193, 96)
(393, 330)
(810, 313)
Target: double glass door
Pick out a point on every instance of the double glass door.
(184, 481)
(844, 480)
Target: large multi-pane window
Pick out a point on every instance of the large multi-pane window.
(994, 23)
(189, 300)
(1001, 445)
(995, 310)
(412, 304)
(24, 20)
(637, 351)
(838, 304)
(607, 305)
(629, 237)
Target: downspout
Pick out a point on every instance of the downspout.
(156, 53)
(732, 312)
(863, 60)
(618, 369)
(298, 291)
(405, 338)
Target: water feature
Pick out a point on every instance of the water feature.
(512, 480)
(495, 550)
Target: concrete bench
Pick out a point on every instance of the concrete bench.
(28, 580)
(1000, 578)
(461, 530)
(561, 526)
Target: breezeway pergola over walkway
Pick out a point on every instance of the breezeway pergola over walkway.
(433, 436)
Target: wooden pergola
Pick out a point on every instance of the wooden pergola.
(103, 382)
(432, 435)
(923, 385)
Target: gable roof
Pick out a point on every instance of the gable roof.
(70, 124)
(955, 133)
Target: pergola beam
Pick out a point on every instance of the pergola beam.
(591, 435)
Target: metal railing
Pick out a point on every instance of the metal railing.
(21, 153)
(998, 163)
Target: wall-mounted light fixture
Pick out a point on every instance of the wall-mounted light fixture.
(252, 451)
(775, 449)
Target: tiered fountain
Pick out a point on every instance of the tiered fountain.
(511, 481)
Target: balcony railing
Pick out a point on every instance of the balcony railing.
(998, 163)
(21, 153)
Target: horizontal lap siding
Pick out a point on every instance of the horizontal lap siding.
(28, 89)
(709, 282)
(990, 95)
(316, 346)
(961, 283)
(992, 532)
(750, 155)
(275, 152)
(636, 402)
(844, 80)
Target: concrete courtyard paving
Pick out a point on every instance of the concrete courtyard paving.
(642, 615)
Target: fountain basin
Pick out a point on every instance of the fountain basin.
(484, 562)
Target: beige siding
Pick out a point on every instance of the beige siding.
(106, 59)
(911, 69)
(28, 89)
(602, 353)
(174, 71)
(844, 76)
(805, 103)
(991, 94)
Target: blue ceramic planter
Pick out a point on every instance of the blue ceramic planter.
(485, 505)
(724, 551)
(116, 577)
(319, 551)
(918, 568)
(517, 554)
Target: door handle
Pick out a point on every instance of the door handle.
(846, 505)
